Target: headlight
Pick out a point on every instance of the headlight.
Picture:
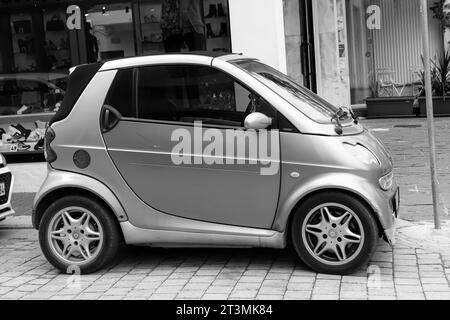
(362, 154)
(387, 182)
(2, 161)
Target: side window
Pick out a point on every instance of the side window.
(120, 95)
(195, 93)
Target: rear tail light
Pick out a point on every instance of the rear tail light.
(50, 154)
(2, 161)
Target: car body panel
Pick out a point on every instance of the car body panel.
(142, 152)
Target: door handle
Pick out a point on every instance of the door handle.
(109, 118)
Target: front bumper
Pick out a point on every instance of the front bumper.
(5, 201)
(393, 210)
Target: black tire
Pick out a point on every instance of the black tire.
(112, 238)
(369, 225)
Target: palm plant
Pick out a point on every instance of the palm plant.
(440, 76)
(441, 85)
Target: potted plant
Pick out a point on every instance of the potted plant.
(440, 83)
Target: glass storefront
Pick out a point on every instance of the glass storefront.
(385, 56)
(37, 50)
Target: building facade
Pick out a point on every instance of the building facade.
(346, 50)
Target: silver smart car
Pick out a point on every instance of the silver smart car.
(203, 150)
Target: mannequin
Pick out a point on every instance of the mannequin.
(193, 26)
(182, 24)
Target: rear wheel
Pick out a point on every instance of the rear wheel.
(77, 233)
(334, 233)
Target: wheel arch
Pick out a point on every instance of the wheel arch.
(46, 200)
(351, 193)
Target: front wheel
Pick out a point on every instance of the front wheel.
(334, 233)
(77, 234)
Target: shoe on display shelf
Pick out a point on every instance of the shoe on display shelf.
(220, 11)
(22, 147)
(212, 11)
(25, 132)
(40, 145)
(41, 124)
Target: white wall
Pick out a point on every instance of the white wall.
(447, 32)
(257, 30)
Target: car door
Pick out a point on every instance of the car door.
(223, 174)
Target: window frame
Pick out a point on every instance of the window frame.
(135, 106)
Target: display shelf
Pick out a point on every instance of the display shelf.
(22, 34)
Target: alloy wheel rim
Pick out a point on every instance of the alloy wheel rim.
(333, 234)
(75, 235)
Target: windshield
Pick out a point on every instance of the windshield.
(301, 98)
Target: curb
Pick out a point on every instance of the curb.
(16, 222)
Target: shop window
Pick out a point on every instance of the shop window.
(20, 95)
(57, 43)
(109, 32)
(194, 93)
(385, 58)
(184, 25)
(120, 94)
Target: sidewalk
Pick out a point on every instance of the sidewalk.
(413, 270)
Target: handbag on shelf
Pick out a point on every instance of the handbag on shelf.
(55, 24)
(22, 26)
(26, 45)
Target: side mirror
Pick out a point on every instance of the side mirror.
(257, 121)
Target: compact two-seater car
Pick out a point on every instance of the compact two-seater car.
(114, 174)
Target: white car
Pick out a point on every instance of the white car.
(6, 187)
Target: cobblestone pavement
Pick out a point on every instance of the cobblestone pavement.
(407, 140)
(409, 271)
(146, 273)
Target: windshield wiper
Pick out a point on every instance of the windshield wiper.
(341, 115)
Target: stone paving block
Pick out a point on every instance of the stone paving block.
(163, 296)
(190, 294)
(297, 295)
(219, 289)
(248, 285)
(431, 267)
(248, 278)
(175, 282)
(409, 275)
(202, 279)
(437, 295)
(300, 286)
(89, 296)
(65, 297)
(437, 280)
(302, 279)
(243, 294)
(407, 281)
(169, 289)
(215, 296)
(436, 287)
(405, 262)
(412, 269)
(353, 279)
(278, 276)
(111, 297)
(408, 289)
(382, 298)
(410, 296)
(325, 297)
